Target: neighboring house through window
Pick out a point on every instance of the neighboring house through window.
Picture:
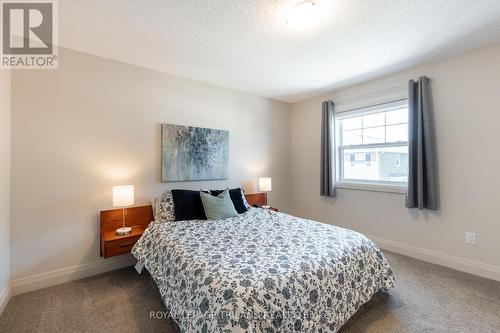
(398, 161)
(368, 159)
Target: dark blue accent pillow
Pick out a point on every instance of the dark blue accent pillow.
(188, 205)
(236, 197)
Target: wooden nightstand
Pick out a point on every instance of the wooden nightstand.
(258, 200)
(137, 217)
(113, 245)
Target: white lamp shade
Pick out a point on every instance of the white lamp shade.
(123, 196)
(265, 184)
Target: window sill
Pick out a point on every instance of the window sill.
(389, 188)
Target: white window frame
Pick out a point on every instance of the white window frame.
(367, 185)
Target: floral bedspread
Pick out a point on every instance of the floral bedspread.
(262, 271)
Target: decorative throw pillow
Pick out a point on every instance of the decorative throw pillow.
(164, 209)
(187, 205)
(237, 198)
(218, 207)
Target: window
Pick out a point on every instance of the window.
(373, 145)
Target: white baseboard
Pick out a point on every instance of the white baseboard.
(5, 295)
(461, 264)
(43, 280)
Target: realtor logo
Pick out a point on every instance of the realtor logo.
(29, 35)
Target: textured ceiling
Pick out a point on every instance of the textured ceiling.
(247, 45)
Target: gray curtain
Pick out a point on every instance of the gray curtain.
(422, 172)
(327, 186)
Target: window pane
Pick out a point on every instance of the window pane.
(397, 133)
(379, 162)
(388, 164)
(374, 135)
(352, 137)
(352, 123)
(397, 116)
(372, 120)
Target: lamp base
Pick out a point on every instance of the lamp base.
(266, 206)
(123, 231)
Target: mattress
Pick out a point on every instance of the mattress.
(261, 271)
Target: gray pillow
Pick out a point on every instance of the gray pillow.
(218, 207)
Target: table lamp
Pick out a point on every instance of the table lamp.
(265, 185)
(123, 196)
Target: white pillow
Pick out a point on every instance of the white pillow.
(244, 199)
(163, 208)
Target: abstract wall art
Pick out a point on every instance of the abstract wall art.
(194, 153)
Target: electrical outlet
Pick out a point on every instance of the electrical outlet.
(470, 238)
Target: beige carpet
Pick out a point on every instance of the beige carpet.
(428, 298)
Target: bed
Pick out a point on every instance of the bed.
(261, 271)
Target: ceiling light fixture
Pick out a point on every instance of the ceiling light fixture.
(303, 15)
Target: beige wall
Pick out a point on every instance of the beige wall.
(95, 123)
(4, 179)
(466, 93)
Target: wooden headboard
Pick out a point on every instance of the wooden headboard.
(142, 215)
